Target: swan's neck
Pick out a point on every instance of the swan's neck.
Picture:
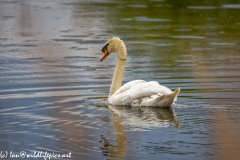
(118, 73)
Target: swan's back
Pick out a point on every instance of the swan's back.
(142, 93)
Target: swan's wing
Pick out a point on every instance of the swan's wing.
(127, 86)
(135, 91)
(147, 89)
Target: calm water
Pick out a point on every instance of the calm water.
(53, 90)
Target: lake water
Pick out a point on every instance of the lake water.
(53, 90)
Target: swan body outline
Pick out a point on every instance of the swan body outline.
(136, 92)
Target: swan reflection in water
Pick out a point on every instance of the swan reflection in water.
(138, 118)
(145, 117)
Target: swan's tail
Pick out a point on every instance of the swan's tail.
(175, 93)
(168, 99)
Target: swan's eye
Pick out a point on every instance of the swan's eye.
(105, 47)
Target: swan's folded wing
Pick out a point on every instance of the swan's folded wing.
(147, 89)
(136, 90)
(127, 86)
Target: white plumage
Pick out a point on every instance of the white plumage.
(137, 92)
(142, 93)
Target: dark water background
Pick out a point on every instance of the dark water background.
(53, 86)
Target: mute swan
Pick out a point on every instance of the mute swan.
(137, 92)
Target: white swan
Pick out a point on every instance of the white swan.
(137, 92)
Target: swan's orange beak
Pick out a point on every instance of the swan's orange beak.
(105, 54)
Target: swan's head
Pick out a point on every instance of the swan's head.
(114, 44)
